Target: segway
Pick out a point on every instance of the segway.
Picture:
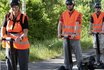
(67, 38)
(12, 53)
(94, 62)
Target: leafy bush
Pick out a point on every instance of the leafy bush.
(4, 7)
(43, 19)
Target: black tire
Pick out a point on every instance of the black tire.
(61, 68)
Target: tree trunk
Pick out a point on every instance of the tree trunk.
(24, 6)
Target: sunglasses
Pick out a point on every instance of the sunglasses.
(15, 6)
(97, 7)
(69, 4)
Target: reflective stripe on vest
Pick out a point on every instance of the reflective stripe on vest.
(98, 21)
(97, 24)
(71, 27)
(70, 33)
(69, 24)
(26, 42)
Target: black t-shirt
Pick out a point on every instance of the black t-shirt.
(24, 25)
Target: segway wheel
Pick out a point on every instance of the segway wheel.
(91, 63)
(61, 68)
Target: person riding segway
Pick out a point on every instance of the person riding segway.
(69, 28)
(15, 27)
(96, 29)
(94, 62)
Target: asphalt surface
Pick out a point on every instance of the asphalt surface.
(52, 64)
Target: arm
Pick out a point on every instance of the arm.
(3, 32)
(3, 28)
(103, 27)
(78, 21)
(25, 28)
(25, 33)
(90, 25)
(59, 29)
(76, 27)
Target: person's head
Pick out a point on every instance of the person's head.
(70, 5)
(15, 6)
(97, 7)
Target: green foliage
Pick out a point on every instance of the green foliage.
(102, 4)
(41, 50)
(43, 19)
(47, 49)
(4, 7)
(2, 54)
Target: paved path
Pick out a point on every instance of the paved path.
(51, 64)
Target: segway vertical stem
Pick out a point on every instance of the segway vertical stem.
(69, 52)
(98, 48)
(12, 54)
(13, 57)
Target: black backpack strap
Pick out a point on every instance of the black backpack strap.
(21, 23)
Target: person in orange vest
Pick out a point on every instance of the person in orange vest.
(69, 28)
(15, 27)
(97, 24)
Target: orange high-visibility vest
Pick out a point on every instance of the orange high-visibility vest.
(69, 23)
(24, 44)
(98, 22)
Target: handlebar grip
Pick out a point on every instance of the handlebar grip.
(8, 39)
(64, 36)
(95, 33)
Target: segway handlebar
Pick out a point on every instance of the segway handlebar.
(65, 36)
(8, 39)
(95, 33)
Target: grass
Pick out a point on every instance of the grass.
(47, 49)
(2, 54)
(41, 50)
